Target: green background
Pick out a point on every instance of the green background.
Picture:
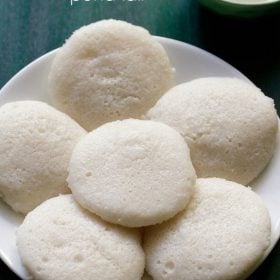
(30, 28)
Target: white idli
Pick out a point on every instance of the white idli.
(36, 143)
(229, 125)
(222, 235)
(109, 70)
(132, 172)
(59, 240)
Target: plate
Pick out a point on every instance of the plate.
(189, 62)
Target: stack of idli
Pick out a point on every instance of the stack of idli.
(136, 202)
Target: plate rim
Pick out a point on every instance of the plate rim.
(163, 41)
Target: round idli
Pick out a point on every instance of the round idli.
(109, 70)
(36, 143)
(132, 172)
(230, 126)
(222, 235)
(59, 240)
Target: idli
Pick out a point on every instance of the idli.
(132, 172)
(222, 235)
(36, 143)
(109, 70)
(229, 125)
(59, 240)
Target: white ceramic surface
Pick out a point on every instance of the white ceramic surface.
(190, 63)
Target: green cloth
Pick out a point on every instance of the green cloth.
(30, 28)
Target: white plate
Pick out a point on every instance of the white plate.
(190, 62)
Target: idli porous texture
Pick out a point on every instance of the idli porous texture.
(230, 126)
(132, 172)
(109, 70)
(36, 143)
(221, 235)
(59, 240)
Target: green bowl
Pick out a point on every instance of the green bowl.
(245, 10)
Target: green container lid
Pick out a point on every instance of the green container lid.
(238, 9)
